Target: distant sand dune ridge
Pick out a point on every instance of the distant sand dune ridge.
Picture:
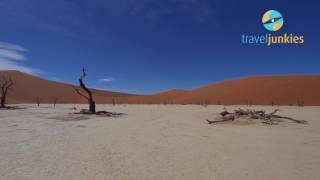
(261, 90)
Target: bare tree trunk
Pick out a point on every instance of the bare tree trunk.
(55, 102)
(89, 96)
(92, 107)
(5, 87)
(38, 101)
(92, 104)
(3, 101)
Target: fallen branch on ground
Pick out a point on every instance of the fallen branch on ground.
(100, 113)
(11, 108)
(266, 118)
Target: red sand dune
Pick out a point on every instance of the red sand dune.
(28, 88)
(265, 90)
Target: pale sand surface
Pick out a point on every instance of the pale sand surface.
(168, 142)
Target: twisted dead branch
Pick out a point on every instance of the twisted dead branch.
(265, 118)
(89, 96)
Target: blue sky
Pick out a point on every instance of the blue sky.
(147, 46)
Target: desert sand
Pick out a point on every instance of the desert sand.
(260, 90)
(155, 142)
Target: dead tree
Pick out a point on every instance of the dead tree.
(38, 101)
(206, 103)
(55, 100)
(6, 85)
(89, 96)
(300, 103)
(113, 101)
(265, 118)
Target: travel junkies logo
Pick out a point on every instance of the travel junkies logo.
(273, 21)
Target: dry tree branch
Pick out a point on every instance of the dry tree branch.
(83, 86)
(265, 118)
(79, 92)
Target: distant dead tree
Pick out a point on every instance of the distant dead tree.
(38, 101)
(300, 103)
(55, 100)
(89, 96)
(6, 85)
(205, 103)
